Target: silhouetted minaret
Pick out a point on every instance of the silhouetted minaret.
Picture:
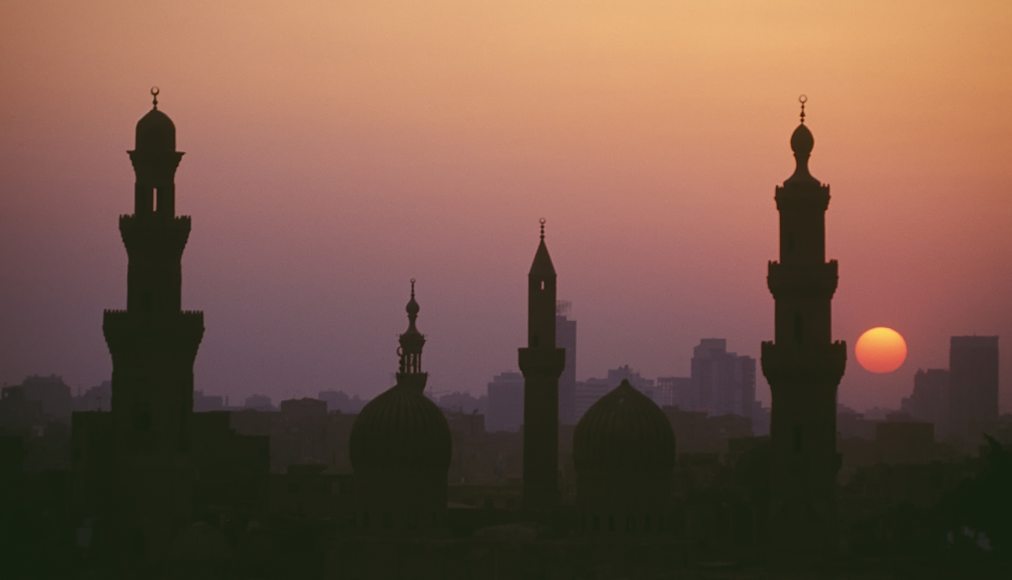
(541, 363)
(153, 345)
(803, 365)
(409, 373)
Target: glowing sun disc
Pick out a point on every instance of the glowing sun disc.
(881, 350)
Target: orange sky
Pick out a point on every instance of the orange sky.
(334, 152)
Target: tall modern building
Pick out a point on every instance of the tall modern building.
(542, 363)
(973, 387)
(153, 344)
(565, 336)
(929, 400)
(505, 402)
(724, 382)
(803, 365)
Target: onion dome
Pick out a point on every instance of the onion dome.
(401, 429)
(802, 143)
(624, 432)
(155, 131)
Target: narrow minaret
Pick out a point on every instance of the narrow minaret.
(409, 373)
(153, 342)
(542, 364)
(803, 366)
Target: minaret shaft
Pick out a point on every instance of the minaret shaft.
(541, 363)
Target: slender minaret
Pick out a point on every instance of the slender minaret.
(803, 366)
(153, 344)
(542, 364)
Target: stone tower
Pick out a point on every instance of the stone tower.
(803, 365)
(153, 344)
(541, 362)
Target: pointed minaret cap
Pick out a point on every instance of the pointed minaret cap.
(802, 143)
(542, 265)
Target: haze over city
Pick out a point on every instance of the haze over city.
(333, 153)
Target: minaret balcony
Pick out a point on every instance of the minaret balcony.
(802, 280)
(803, 363)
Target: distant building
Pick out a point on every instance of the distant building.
(97, 398)
(258, 403)
(463, 403)
(505, 402)
(973, 379)
(565, 337)
(724, 382)
(341, 401)
(676, 392)
(930, 399)
(52, 394)
(204, 403)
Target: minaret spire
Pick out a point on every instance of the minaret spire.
(542, 363)
(409, 353)
(154, 97)
(803, 366)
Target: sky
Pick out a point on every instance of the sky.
(334, 150)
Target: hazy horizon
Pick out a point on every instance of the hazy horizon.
(333, 153)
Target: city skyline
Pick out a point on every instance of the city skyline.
(338, 209)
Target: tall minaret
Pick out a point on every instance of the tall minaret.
(153, 342)
(542, 364)
(803, 365)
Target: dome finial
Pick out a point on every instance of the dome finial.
(803, 99)
(154, 97)
(412, 288)
(542, 222)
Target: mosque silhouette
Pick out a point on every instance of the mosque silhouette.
(171, 492)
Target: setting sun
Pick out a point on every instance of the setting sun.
(881, 350)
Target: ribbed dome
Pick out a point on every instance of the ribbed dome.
(155, 132)
(624, 432)
(400, 429)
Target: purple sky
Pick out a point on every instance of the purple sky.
(333, 153)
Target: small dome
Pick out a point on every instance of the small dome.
(155, 132)
(400, 429)
(802, 141)
(412, 307)
(624, 432)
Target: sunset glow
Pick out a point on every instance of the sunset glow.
(335, 150)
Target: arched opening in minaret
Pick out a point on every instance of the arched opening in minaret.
(542, 286)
